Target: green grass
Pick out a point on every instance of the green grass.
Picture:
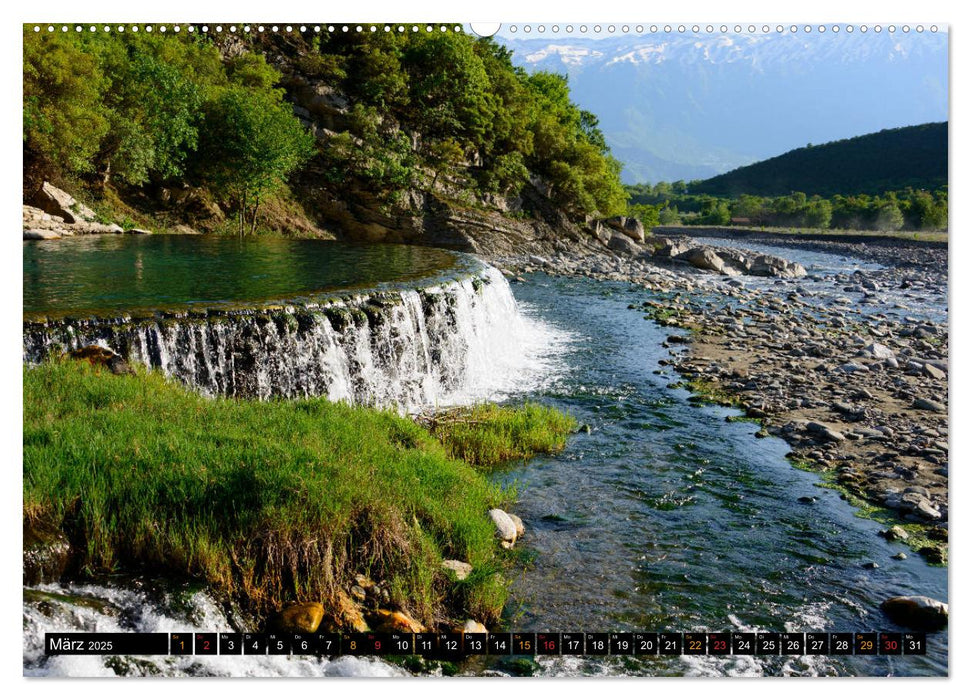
(488, 435)
(265, 502)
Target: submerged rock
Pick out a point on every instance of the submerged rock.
(916, 611)
(299, 618)
(895, 533)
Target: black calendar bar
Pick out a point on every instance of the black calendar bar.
(106, 644)
(456, 646)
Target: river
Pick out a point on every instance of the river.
(664, 516)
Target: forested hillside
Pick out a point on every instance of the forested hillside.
(892, 159)
(211, 129)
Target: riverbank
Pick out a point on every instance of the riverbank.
(302, 512)
(849, 367)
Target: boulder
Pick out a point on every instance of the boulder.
(599, 231)
(895, 533)
(878, 351)
(629, 226)
(916, 611)
(735, 259)
(461, 569)
(622, 244)
(299, 618)
(348, 614)
(772, 266)
(933, 372)
(59, 203)
(704, 259)
(669, 247)
(505, 527)
(823, 431)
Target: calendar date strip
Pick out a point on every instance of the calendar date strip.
(460, 645)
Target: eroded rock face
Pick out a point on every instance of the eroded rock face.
(52, 213)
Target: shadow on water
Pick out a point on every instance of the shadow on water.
(667, 517)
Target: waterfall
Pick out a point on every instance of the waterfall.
(453, 342)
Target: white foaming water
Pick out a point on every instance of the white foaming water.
(457, 342)
(93, 608)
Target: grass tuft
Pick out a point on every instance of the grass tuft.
(487, 435)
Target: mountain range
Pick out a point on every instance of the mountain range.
(686, 106)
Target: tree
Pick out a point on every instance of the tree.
(250, 144)
(818, 213)
(154, 116)
(889, 217)
(64, 118)
(669, 216)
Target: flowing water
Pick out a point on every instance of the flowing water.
(453, 336)
(667, 517)
(663, 517)
(832, 282)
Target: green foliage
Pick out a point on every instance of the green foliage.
(889, 217)
(154, 111)
(63, 116)
(267, 502)
(912, 210)
(715, 213)
(508, 173)
(249, 144)
(668, 216)
(369, 151)
(648, 214)
(138, 107)
(451, 92)
(143, 108)
(892, 159)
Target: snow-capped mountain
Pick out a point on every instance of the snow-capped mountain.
(684, 106)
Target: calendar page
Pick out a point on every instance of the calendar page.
(553, 349)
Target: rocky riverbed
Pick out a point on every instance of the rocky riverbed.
(850, 367)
